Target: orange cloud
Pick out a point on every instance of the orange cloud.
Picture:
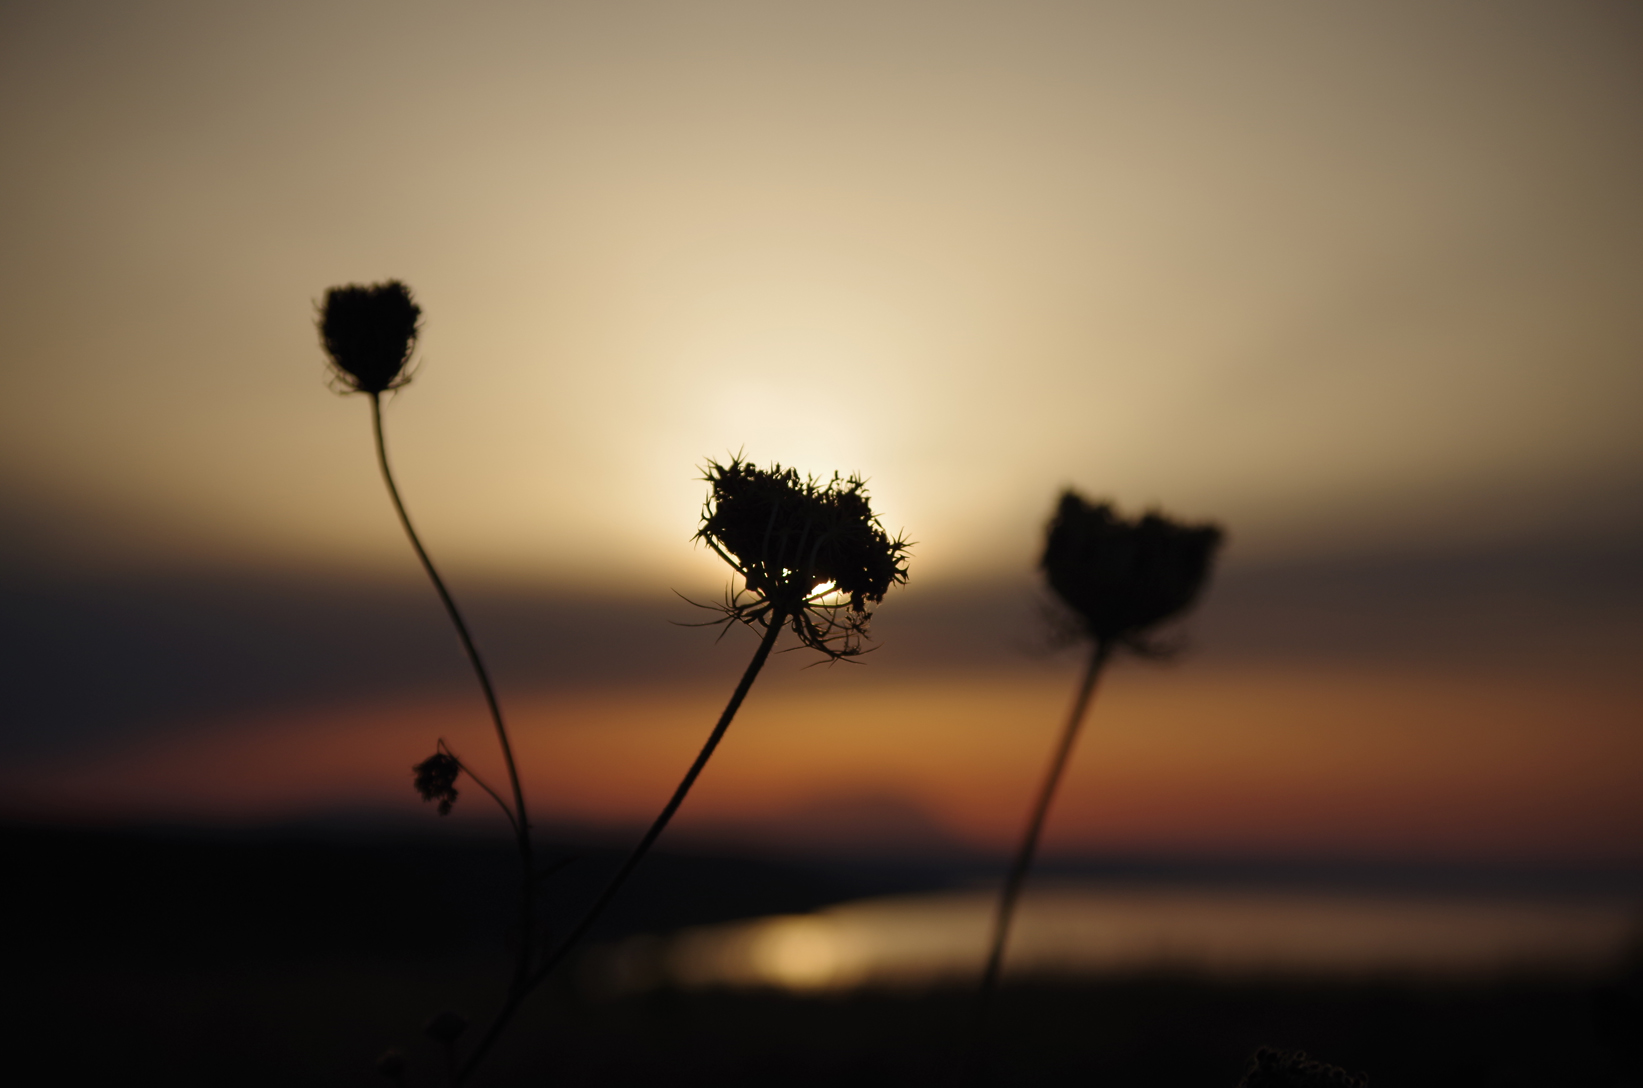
(1394, 763)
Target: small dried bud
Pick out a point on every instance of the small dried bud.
(1124, 577)
(1273, 1068)
(369, 334)
(436, 780)
(445, 1027)
(392, 1065)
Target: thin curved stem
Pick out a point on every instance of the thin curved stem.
(486, 786)
(558, 955)
(1035, 826)
(521, 823)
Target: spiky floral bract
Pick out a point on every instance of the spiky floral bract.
(1273, 1068)
(809, 552)
(1122, 578)
(369, 334)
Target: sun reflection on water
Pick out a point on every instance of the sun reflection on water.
(911, 942)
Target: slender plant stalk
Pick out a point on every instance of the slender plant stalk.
(1035, 826)
(521, 824)
(553, 960)
(486, 786)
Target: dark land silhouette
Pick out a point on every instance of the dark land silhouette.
(286, 956)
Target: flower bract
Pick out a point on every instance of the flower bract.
(369, 334)
(1121, 577)
(808, 551)
(1273, 1068)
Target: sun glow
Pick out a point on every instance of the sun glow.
(1112, 252)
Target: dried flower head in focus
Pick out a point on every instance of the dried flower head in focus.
(1121, 577)
(436, 780)
(809, 552)
(369, 334)
(1273, 1068)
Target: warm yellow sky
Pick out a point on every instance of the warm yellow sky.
(1318, 270)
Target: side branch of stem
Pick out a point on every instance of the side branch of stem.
(486, 786)
(554, 959)
(521, 822)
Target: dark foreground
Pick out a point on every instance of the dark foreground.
(227, 961)
(325, 1024)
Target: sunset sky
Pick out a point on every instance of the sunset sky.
(1359, 281)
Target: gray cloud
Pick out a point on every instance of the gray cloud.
(91, 658)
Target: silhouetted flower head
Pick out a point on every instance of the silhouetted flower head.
(436, 780)
(810, 551)
(369, 333)
(1124, 577)
(1272, 1068)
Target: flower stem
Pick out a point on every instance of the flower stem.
(521, 825)
(486, 786)
(760, 656)
(1035, 826)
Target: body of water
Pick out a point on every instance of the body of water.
(1071, 931)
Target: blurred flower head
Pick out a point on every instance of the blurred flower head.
(369, 334)
(1273, 1068)
(436, 780)
(1122, 578)
(809, 551)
